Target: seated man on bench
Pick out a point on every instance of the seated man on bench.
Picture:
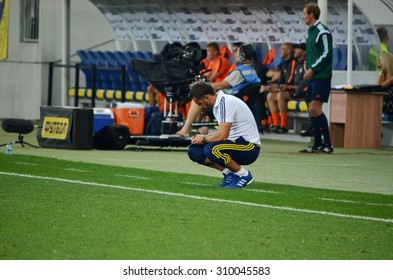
(289, 85)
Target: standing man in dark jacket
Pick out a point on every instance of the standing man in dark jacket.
(319, 74)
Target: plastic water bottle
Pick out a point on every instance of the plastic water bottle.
(8, 149)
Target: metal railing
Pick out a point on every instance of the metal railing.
(94, 68)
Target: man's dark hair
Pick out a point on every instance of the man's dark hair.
(383, 34)
(313, 8)
(200, 89)
(246, 52)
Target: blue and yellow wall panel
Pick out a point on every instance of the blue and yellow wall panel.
(3, 29)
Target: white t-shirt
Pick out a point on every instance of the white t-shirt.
(229, 108)
(235, 78)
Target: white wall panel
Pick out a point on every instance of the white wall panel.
(24, 76)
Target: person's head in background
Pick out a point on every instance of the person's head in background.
(299, 51)
(212, 51)
(286, 51)
(245, 54)
(236, 46)
(383, 35)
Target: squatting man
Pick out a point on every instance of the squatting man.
(235, 143)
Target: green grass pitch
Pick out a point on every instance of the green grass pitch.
(57, 209)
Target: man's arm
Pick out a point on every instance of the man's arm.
(213, 76)
(233, 79)
(220, 135)
(322, 60)
(221, 85)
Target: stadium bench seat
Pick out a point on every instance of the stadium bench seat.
(298, 111)
(108, 75)
(110, 95)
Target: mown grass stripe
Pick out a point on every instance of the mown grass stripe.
(284, 208)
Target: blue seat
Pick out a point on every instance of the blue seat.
(104, 74)
(144, 82)
(337, 57)
(85, 70)
(344, 60)
(123, 60)
(149, 55)
(139, 55)
(134, 76)
(94, 60)
(115, 72)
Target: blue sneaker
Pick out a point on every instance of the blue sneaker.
(227, 180)
(241, 182)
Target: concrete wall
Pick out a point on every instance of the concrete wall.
(24, 75)
(20, 74)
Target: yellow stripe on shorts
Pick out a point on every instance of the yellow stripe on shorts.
(216, 151)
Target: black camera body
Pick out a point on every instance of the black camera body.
(173, 70)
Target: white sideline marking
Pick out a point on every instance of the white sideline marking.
(77, 170)
(355, 202)
(246, 189)
(133, 177)
(201, 197)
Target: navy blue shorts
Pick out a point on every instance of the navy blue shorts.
(318, 90)
(221, 152)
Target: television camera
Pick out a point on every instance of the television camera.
(171, 73)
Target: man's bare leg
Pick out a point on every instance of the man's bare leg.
(193, 113)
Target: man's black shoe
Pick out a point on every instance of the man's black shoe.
(309, 150)
(282, 130)
(266, 129)
(325, 149)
